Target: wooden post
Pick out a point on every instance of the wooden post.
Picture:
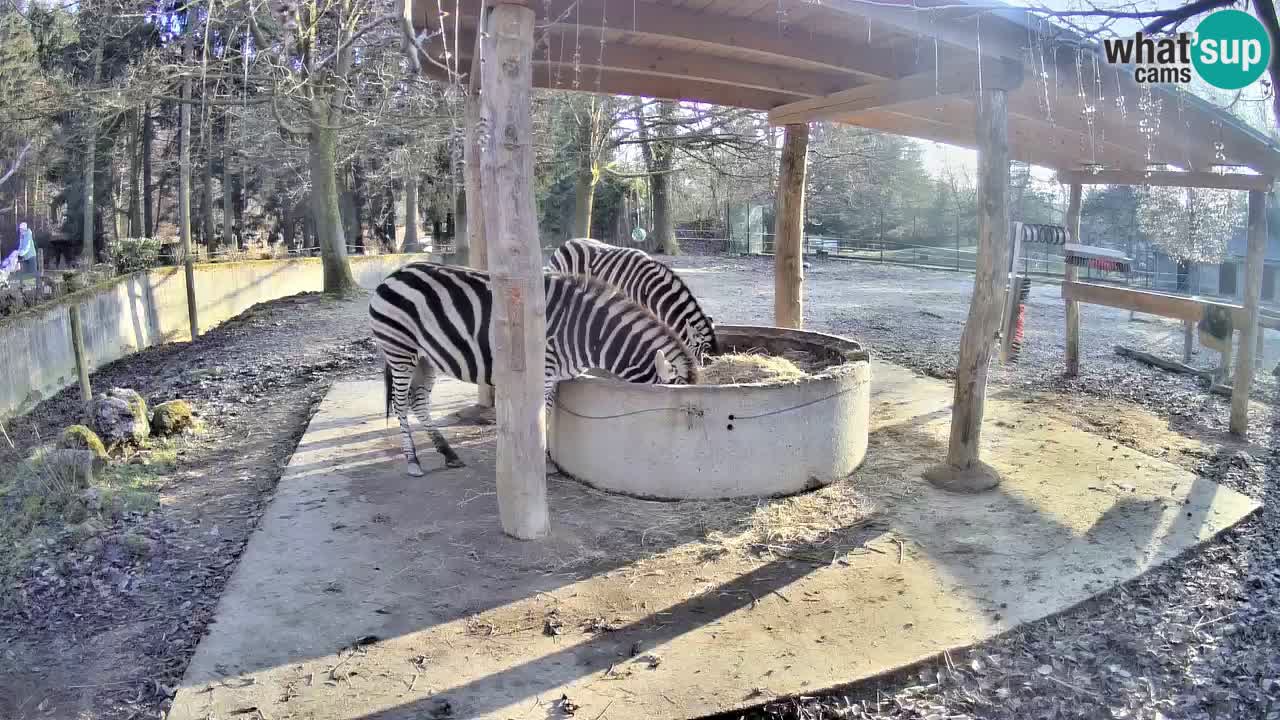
(39, 264)
(788, 258)
(475, 207)
(963, 471)
(505, 136)
(77, 348)
(1239, 424)
(1072, 273)
(1188, 340)
(1259, 355)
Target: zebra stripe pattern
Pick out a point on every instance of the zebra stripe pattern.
(429, 319)
(644, 280)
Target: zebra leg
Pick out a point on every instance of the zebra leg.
(399, 376)
(424, 378)
(549, 395)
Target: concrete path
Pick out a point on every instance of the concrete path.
(369, 594)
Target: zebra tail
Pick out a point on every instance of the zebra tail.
(386, 383)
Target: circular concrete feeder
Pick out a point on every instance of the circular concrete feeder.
(683, 442)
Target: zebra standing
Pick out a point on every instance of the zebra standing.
(644, 280)
(428, 319)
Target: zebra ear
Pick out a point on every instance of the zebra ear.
(666, 373)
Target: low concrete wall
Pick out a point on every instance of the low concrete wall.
(150, 308)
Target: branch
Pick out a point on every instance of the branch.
(16, 163)
(1173, 17)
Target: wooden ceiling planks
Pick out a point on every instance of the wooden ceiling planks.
(745, 54)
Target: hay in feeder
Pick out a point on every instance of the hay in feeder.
(737, 368)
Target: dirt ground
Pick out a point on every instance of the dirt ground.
(92, 631)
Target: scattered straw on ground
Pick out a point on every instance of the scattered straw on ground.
(740, 368)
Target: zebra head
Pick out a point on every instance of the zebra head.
(679, 369)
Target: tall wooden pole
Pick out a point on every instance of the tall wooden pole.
(788, 231)
(184, 181)
(505, 137)
(963, 471)
(77, 349)
(1072, 273)
(475, 206)
(1239, 424)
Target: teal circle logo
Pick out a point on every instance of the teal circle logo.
(1232, 49)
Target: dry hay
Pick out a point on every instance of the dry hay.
(758, 366)
(738, 368)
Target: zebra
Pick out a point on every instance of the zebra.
(428, 318)
(645, 281)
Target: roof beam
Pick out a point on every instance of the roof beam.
(1193, 179)
(617, 82)
(1005, 75)
(661, 21)
(678, 66)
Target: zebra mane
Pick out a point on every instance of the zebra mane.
(604, 289)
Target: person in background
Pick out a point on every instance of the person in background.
(26, 246)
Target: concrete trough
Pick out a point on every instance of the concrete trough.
(667, 442)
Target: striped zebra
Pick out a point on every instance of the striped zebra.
(645, 281)
(428, 319)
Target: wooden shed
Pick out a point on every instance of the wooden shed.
(1005, 82)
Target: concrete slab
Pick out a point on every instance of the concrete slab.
(638, 609)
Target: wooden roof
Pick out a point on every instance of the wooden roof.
(873, 63)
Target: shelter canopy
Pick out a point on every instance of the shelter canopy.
(907, 69)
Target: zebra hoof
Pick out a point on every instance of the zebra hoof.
(454, 462)
(415, 470)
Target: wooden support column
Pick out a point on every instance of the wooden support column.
(1072, 274)
(505, 137)
(77, 349)
(1243, 381)
(475, 205)
(788, 257)
(963, 471)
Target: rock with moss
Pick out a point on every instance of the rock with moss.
(120, 417)
(171, 418)
(80, 437)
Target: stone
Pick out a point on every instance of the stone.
(120, 417)
(80, 437)
(171, 418)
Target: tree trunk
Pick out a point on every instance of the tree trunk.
(664, 225)
(228, 210)
(323, 142)
(359, 191)
(411, 243)
(87, 170)
(584, 179)
(136, 228)
(207, 233)
(148, 136)
(788, 273)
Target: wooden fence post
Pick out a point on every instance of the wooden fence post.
(77, 348)
(1243, 381)
(475, 207)
(788, 269)
(963, 471)
(1188, 340)
(505, 136)
(1072, 273)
